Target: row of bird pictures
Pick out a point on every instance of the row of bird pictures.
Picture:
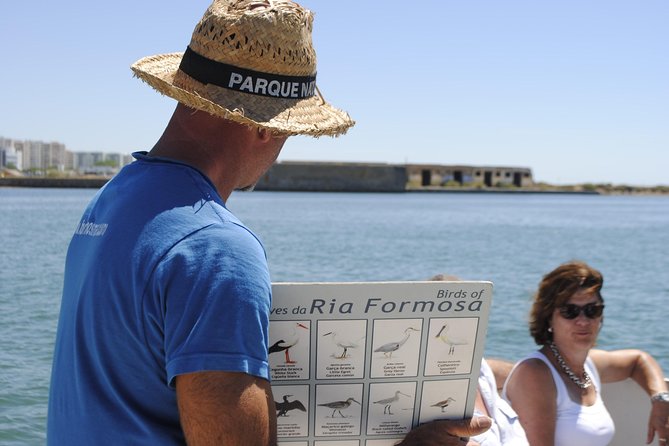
(341, 348)
(390, 408)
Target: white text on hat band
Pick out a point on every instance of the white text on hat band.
(209, 71)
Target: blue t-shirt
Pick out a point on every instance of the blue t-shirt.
(160, 280)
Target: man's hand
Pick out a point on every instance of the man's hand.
(447, 432)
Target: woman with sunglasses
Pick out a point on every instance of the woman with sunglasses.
(556, 390)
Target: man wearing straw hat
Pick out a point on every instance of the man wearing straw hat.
(162, 337)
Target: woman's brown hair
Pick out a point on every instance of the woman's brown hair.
(555, 290)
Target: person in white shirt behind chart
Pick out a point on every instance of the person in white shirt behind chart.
(506, 429)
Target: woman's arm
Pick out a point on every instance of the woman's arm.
(532, 394)
(618, 365)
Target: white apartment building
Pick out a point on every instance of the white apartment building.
(39, 156)
(9, 156)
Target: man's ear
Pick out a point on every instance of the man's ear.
(264, 135)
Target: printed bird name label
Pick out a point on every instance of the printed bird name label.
(340, 371)
(394, 369)
(388, 427)
(288, 372)
(336, 428)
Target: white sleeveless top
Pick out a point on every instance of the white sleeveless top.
(577, 425)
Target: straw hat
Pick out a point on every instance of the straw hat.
(251, 62)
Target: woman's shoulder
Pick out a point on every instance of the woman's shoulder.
(531, 374)
(531, 367)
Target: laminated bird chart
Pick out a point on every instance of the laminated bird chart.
(361, 363)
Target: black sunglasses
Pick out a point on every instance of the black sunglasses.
(591, 311)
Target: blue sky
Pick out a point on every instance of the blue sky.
(577, 90)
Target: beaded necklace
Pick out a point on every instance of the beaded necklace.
(585, 383)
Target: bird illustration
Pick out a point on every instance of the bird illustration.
(336, 406)
(451, 341)
(344, 343)
(283, 407)
(387, 402)
(443, 404)
(285, 346)
(390, 347)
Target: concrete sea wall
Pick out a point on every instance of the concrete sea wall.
(334, 177)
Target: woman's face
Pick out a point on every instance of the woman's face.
(581, 331)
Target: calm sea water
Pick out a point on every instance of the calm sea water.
(511, 240)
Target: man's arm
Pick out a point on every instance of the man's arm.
(226, 408)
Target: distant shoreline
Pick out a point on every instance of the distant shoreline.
(498, 190)
(79, 183)
(97, 182)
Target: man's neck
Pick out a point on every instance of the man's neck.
(204, 142)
